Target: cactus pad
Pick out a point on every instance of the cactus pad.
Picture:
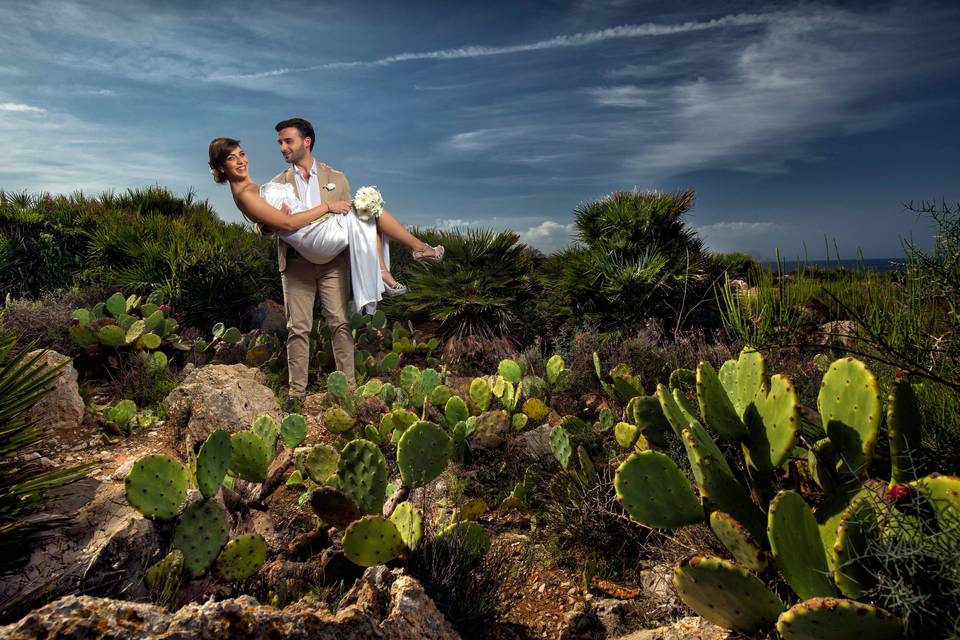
(362, 475)
(903, 423)
(859, 524)
(336, 420)
(647, 414)
(338, 385)
(717, 409)
(321, 463)
(849, 404)
(671, 411)
(773, 425)
(738, 541)
(943, 493)
(157, 486)
(510, 371)
(163, 579)
(242, 557)
(249, 458)
(455, 411)
(440, 395)
(480, 393)
(719, 489)
(838, 619)
(408, 524)
(112, 335)
(625, 434)
(560, 445)
(266, 428)
(797, 547)
(200, 534)
(655, 493)
(726, 594)
(372, 540)
(334, 507)
(536, 410)
(293, 430)
(422, 453)
(212, 462)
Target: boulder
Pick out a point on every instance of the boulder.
(63, 407)
(493, 427)
(840, 332)
(384, 604)
(536, 442)
(219, 396)
(269, 317)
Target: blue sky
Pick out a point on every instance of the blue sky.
(789, 120)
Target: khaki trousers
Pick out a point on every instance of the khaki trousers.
(301, 281)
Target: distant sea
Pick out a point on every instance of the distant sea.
(875, 265)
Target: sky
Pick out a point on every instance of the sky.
(794, 123)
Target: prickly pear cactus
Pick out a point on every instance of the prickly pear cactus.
(625, 434)
(321, 463)
(408, 524)
(716, 407)
(455, 410)
(773, 425)
(250, 458)
(671, 411)
(903, 424)
(560, 445)
(422, 453)
(212, 462)
(797, 547)
(334, 507)
(242, 557)
(200, 534)
(655, 492)
(480, 394)
(510, 371)
(647, 414)
(336, 420)
(266, 428)
(157, 486)
(163, 579)
(338, 386)
(469, 536)
(372, 540)
(838, 619)
(293, 430)
(362, 475)
(850, 411)
(860, 523)
(535, 410)
(943, 494)
(743, 378)
(719, 489)
(726, 594)
(738, 541)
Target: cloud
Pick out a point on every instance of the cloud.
(562, 41)
(17, 107)
(757, 237)
(621, 96)
(453, 223)
(548, 236)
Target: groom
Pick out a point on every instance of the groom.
(315, 183)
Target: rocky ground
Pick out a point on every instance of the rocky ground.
(86, 581)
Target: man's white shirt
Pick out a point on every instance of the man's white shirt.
(308, 189)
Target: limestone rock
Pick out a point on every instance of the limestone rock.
(842, 332)
(492, 430)
(689, 628)
(219, 396)
(536, 442)
(384, 604)
(63, 407)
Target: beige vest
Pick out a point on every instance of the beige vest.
(325, 175)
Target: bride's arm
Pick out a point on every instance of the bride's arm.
(257, 209)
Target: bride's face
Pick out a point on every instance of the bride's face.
(235, 166)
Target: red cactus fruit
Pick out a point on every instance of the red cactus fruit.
(899, 493)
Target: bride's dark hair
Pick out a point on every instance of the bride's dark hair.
(220, 148)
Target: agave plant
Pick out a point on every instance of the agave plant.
(479, 289)
(24, 490)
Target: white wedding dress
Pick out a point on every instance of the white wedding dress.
(320, 242)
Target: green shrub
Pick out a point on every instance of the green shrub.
(635, 259)
(736, 265)
(481, 288)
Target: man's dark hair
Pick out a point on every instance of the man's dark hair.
(301, 125)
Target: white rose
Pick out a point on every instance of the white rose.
(368, 203)
(329, 186)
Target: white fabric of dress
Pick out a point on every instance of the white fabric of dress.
(320, 242)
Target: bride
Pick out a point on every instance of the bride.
(321, 233)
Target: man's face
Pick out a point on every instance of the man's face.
(292, 145)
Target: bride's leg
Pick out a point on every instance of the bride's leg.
(387, 223)
(384, 272)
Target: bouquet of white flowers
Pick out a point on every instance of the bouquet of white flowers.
(368, 203)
